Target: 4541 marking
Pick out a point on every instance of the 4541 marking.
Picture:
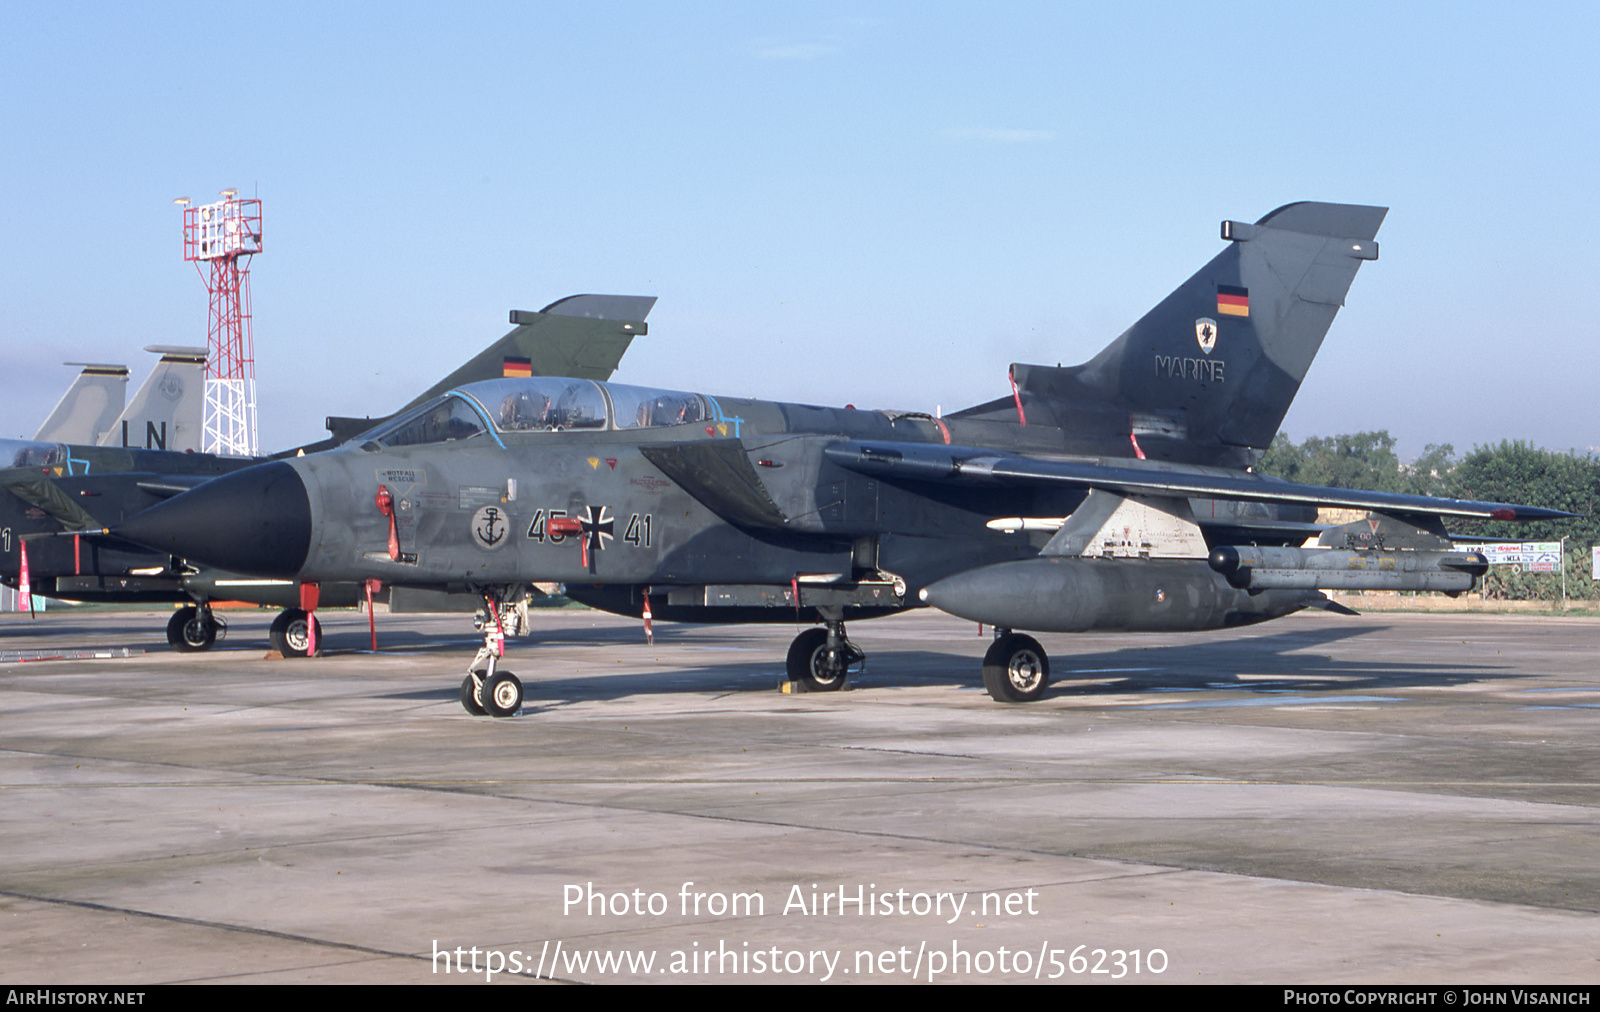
(639, 532)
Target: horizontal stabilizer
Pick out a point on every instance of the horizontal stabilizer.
(1333, 607)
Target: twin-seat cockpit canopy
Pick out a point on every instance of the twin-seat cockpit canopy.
(537, 404)
(31, 453)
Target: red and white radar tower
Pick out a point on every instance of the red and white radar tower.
(227, 235)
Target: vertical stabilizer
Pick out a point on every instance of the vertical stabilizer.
(168, 410)
(1217, 362)
(89, 408)
(581, 336)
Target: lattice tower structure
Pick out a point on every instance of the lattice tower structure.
(221, 239)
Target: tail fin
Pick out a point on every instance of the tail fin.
(581, 336)
(168, 411)
(1218, 362)
(90, 406)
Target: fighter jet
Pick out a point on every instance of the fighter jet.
(1114, 495)
(56, 498)
(91, 406)
(165, 413)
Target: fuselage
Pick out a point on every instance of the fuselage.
(603, 485)
(499, 505)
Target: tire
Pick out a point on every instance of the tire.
(288, 633)
(502, 695)
(469, 698)
(806, 663)
(1016, 669)
(188, 632)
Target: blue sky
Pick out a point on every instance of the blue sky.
(876, 203)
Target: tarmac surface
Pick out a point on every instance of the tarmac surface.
(1385, 799)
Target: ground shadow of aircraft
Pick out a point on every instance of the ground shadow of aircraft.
(1298, 671)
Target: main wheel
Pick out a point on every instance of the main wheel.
(1016, 669)
(502, 695)
(808, 662)
(290, 632)
(188, 630)
(469, 698)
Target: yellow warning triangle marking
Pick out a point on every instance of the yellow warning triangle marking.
(594, 462)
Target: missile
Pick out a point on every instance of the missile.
(1011, 525)
(1251, 568)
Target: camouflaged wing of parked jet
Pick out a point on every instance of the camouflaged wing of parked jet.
(1113, 495)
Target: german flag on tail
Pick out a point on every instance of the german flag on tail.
(516, 366)
(1233, 300)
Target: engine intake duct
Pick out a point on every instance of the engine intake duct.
(1251, 568)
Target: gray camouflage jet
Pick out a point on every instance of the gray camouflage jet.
(1113, 495)
(56, 497)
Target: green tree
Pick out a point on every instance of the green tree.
(1518, 472)
(1433, 473)
(1513, 472)
(1358, 460)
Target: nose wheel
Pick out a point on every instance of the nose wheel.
(496, 695)
(469, 697)
(821, 659)
(192, 628)
(488, 691)
(501, 695)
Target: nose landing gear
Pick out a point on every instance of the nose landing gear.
(193, 628)
(487, 691)
(821, 659)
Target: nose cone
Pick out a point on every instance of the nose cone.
(255, 521)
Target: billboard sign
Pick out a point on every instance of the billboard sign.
(1525, 556)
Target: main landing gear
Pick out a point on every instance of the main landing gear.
(1015, 669)
(487, 691)
(291, 632)
(821, 659)
(193, 628)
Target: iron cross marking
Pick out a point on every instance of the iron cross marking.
(599, 526)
